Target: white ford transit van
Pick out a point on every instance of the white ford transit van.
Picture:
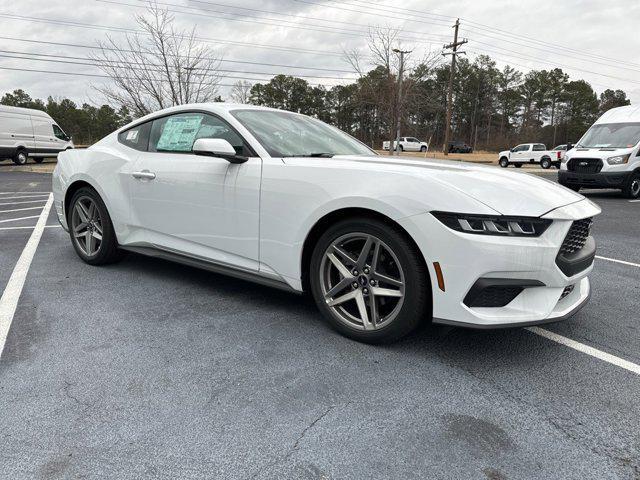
(608, 155)
(31, 133)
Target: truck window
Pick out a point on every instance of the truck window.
(539, 147)
(57, 131)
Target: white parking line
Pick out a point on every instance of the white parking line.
(20, 203)
(20, 209)
(20, 193)
(634, 201)
(581, 347)
(29, 228)
(18, 219)
(623, 262)
(19, 197)
(13, 290)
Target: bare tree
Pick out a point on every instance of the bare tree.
(158, 67)
(241, 91)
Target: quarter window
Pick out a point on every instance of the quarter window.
(177, 133)
(136, 137)
(538, 148)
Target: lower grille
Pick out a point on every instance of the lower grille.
(496, 296)
(567, 290)
(584, 165)
(577, 236)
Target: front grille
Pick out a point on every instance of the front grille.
(584, 165)
(577, 236)
(496, 296)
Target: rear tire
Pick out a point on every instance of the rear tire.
(21, 157)
(90, 228)
(504, 162)
(423, 149)
(369, 284)
(632, 187)
(38, 159)
(518, 165)
(575, 188)
(545, 163)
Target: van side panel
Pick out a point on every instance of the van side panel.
(46, 141)
(16, 131)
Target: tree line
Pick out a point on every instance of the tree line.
(493, 108)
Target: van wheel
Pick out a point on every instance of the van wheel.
(504, 162)
(518, 165)
(21, 157)
(38, 159)
(545, 163)
(632, 188)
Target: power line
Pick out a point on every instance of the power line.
(222, 60)
(201, 39)
(98, 62)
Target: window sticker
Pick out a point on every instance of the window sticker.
(132, 135)
(179, 133)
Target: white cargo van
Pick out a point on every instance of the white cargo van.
(31, 133)
(608, 155)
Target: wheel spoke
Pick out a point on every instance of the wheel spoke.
(80, 226)
(373, 308)
(97, 236)
(364, 254)
(341, 285)
(391, 281)
(88, 241)
(385, 292)
(345, 255)
(344, 271)
(376, 256)
(92, 210)
(362, 309)
(344, 298)
(82, 212)
(98, 227)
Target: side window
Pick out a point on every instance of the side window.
(177, 133)
(57, 131)
(538, 148)
(136, 137)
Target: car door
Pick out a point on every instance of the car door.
(519, 153)
(414, 144)
(199, 206)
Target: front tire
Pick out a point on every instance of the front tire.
(504, 162)
(632, 187)
(90, 228)
(369, 281)
(21, 157)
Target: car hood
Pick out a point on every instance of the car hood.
(507, 192)
(597, 152)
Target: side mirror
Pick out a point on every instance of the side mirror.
(512, 150)
(217, 147)
(569, 146)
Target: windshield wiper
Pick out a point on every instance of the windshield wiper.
(320, 154)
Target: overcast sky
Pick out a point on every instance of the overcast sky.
(600, 39)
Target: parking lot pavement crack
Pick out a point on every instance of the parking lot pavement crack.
(296, 445)
(67, 392)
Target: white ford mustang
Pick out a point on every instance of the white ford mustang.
(381, 243)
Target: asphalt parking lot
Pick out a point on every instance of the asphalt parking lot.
(147, 369)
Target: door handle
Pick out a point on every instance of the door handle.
(144, 175)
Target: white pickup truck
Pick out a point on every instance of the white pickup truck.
(408, 144)
(531, 153)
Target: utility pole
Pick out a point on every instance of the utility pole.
(402, 53)
(454, 53)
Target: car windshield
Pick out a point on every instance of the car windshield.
(285, 134)
(611, 135)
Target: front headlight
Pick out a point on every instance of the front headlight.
(618, 159)
(494, 224)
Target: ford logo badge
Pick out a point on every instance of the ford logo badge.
(583, 164)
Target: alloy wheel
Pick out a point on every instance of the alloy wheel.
(362, 281)
(86, 225)
(635, 187)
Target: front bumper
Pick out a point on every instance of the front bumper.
(596, 180)
(466, 258)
